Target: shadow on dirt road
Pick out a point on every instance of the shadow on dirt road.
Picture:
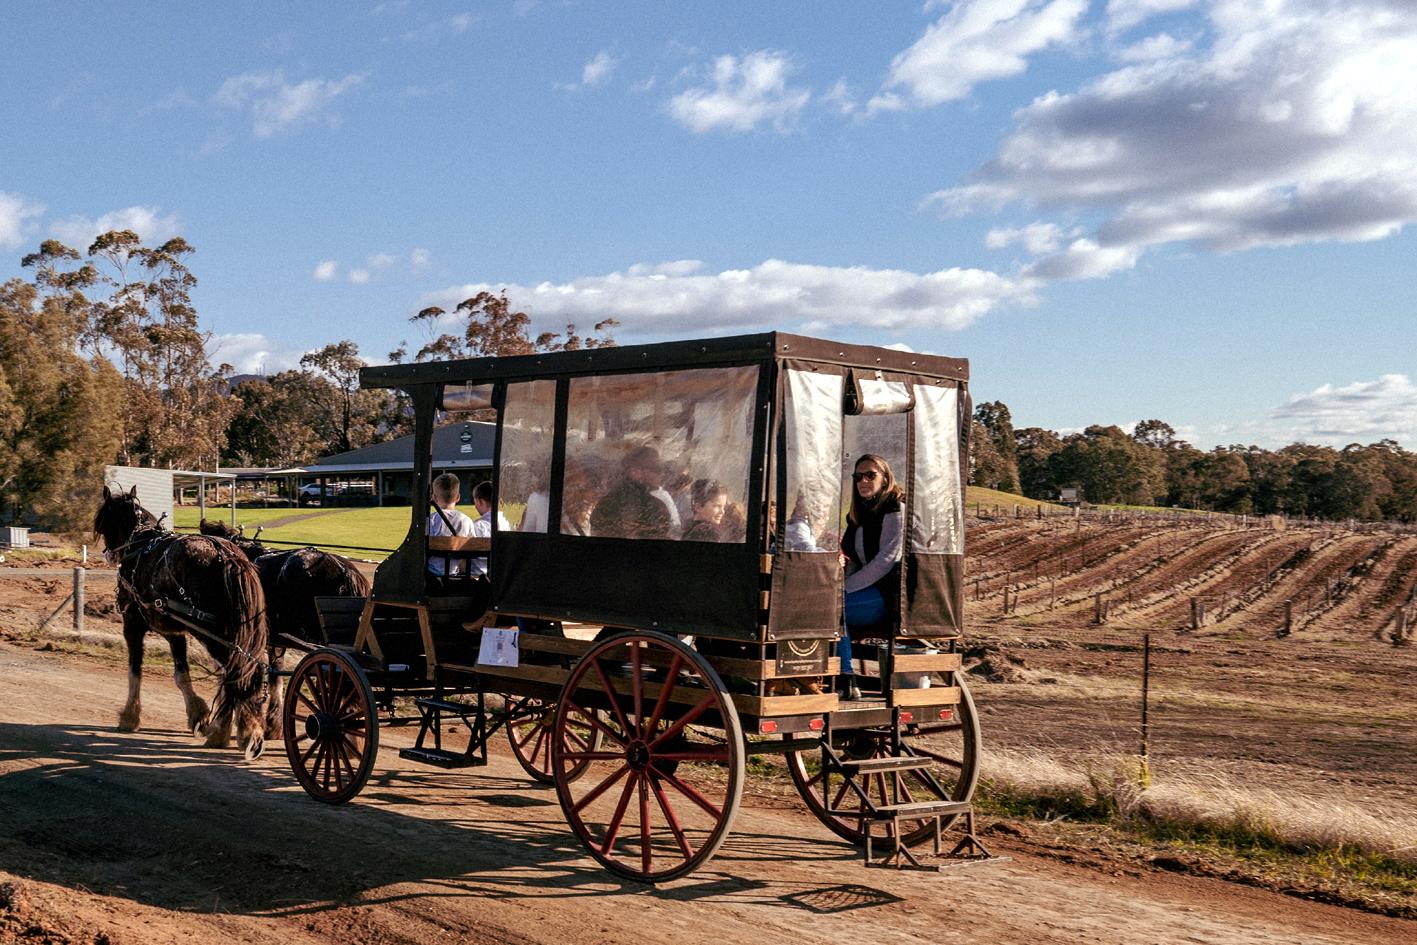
(150, 818)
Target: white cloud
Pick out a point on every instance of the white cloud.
(358, 276)
(1036, 238)
(679, 296)
(1123, 15)
(1160, 46)
(435, 30)
(15, 212)
(598, 70)
(382, 260)
(976, 41)
(1361, 412)
(1297, 124)
(252, 353)
(325, 270)
(742, 94)
(419, 259)
(839, 97)
(152, 226)
(275, 104)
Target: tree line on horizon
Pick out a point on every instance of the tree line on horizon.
(1150, 466)
(102, 360)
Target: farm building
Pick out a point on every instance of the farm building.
(382, 473)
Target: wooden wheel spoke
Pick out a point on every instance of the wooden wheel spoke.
(531, 732)
(646, 853)
(637, 689)
(593, 755)
(958, 765)
(536, 746)
(613, 828)
(573, 736)
(684, 846)
(601, 788)
(351, 748)
(670, 682)
(612, 696)
(303, 698)
(596, 724)
(836, 801)
(690, 792)
(310, 751)
(684, 720)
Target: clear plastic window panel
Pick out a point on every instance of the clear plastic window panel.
(524, 478)
(882, 435)
(814, 447)
(937, 509)
(660, 456)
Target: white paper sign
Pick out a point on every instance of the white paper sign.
(498, 647)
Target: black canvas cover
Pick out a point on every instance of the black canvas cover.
(675, 586)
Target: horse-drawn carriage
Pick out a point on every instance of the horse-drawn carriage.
(652, 661)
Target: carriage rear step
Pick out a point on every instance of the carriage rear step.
(920, 809)
(440, 758)
(878, 765)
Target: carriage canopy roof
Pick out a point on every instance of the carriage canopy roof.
(671, 354)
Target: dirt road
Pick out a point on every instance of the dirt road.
(146, 838)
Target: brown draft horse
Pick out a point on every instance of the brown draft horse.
(210, 575)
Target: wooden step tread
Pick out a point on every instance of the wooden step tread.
(877, 765)
(440, 758)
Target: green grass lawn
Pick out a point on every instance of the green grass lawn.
(1005, 500)
(374, 531)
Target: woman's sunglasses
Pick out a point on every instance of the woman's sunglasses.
(869, 475)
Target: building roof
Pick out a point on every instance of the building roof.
(450, 451)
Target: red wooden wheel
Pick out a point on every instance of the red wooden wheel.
(656, 800)
(952, 748)
(530, 733)
(331, 729)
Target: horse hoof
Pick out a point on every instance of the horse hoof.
(255, 747)
(128, 721)
(217, 739)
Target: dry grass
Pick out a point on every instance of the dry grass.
(1199, 806)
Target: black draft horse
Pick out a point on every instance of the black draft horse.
(210, 575)
(293, 579)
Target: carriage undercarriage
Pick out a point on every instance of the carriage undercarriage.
(645, 743)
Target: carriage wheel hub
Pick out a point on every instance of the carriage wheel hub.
(321, 725)
(637, 755)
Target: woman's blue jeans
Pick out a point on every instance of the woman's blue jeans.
(863, 608)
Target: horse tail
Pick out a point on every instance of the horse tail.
(249, 628)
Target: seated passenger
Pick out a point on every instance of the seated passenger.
(630, 509)
(710, 500)
(798, 530)
(446, 521)
(485, 524)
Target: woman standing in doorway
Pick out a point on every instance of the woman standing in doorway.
(871, 549)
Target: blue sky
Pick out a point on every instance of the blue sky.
(1117, 210)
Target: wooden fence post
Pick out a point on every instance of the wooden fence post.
(78, 600)
(1145, 711)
